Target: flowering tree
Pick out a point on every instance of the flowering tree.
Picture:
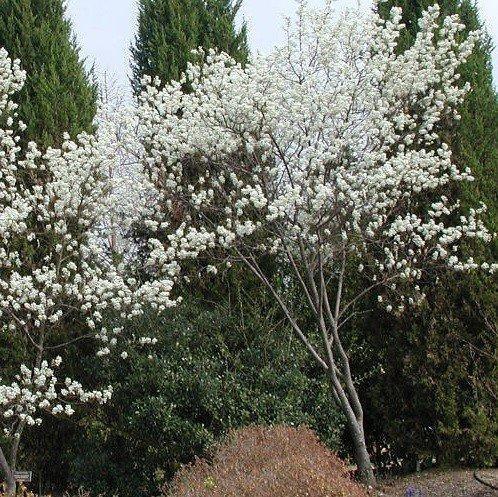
(322, 155)
(55, 283)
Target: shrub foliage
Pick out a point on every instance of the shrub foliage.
(268, 462)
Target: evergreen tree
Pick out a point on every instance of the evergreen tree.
(168, 30)
(59, 95)
(439, 367)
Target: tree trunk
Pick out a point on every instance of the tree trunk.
(348, 400)
(362, 457)
(11, 486)
(355, 428)
(10, 491)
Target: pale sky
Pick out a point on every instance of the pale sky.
(105, 28)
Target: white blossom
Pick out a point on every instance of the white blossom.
(330, 142)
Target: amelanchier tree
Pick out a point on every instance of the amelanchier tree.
(52, 204)
(318, 154)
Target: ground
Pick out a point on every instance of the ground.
(457, 483)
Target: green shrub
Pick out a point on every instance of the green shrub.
(214, 369)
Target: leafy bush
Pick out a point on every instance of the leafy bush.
(215, 368)
(267, 462)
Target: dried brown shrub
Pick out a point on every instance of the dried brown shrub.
(268, 462)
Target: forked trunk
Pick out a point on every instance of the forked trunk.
(357, 432)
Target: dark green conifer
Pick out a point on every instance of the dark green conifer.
(59, 94)
(437, 394)
(168, 30)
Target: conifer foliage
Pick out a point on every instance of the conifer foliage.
(59, 95)
(168, 30)
(441, 364)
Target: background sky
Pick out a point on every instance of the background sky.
(105, 29)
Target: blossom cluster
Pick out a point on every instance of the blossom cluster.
(329, 146)
(130, 196)
(38, 390)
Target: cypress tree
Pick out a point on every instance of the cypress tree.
(168, 30)
(59, 95)
(474, 140)
(439, 367)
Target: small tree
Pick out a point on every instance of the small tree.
(51, 205)
(318, 154)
